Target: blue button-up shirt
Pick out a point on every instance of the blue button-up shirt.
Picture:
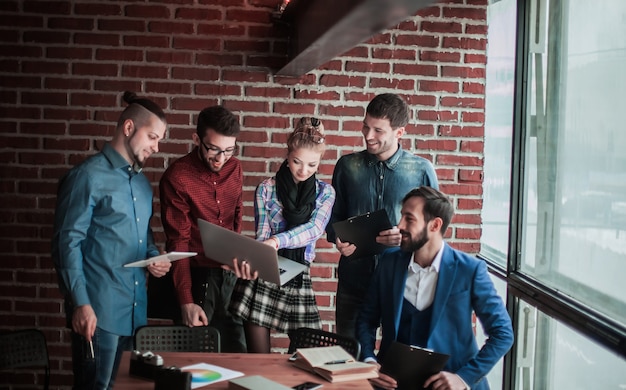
(102, 222)
(364, 184)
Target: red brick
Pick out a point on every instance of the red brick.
(46, 37)
(201, 13)
(99, 39)
(233, 30)
(441, 27)
(121, 25)
(367, 66)
(145, 71)
(458, 160)
(450, 101)
(98, 9)
(438, 86)
(47, 7)
(470, 175)
(463, 72)
(92, 69)
(31, 21)
(397, 84)
(69, 53)
(71, 23)
(420, 41)
(416, 69)
(436, 56)
(465, 13)
(147, 11)
(438, 116)
(147, 41)
(119, 55)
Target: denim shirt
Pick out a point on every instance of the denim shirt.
(364, 184)
(102, 221)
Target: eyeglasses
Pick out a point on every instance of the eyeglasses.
(213, 151)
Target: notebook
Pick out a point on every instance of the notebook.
(362, 231)
(222, 245)
(411, 365)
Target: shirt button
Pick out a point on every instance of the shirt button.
(136, 283)
(218, 202)
(135, 304)
(140, 241)
(137, 219)
(381, 177)
(134, 199)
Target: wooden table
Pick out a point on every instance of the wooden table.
(273, 366)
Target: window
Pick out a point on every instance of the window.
(567, 260)
(574, 211)
(499, 85)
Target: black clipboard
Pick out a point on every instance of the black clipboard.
(362, 231)
(411, 366)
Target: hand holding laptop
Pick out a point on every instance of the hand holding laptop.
(242, 271)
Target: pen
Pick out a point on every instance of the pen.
(336, 362)
(91, 350)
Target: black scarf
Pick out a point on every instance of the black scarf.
(298, 202)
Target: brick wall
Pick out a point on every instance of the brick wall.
(64, 64)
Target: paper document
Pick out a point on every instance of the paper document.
(203, 374)
(172, 256)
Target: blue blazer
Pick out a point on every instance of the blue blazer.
(463, 287)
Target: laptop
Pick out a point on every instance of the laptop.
(222, 245)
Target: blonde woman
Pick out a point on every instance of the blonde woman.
(291, 211)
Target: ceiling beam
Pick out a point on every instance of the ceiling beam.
(321, 30)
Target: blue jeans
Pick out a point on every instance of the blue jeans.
(97, 372)
(347, 310)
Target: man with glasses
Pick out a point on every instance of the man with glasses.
(369, 180)
(206, 183)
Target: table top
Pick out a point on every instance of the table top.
(273, 366)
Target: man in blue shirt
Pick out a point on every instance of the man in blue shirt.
(373, 179)
(102, 221)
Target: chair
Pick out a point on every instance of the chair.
(25, 348)
(308, 337)
(177, 338)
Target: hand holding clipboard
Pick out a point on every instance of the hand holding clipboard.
(362, 231)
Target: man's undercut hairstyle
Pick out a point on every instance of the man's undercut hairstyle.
(218, 118)
(389, 106)
(436, 204)
(139, 110)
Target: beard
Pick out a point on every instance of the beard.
(411, 244)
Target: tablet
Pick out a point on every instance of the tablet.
(172, 256)
(362, 231)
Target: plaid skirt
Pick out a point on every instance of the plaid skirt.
(280, 308)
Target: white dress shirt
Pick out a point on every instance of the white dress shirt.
(421, 283)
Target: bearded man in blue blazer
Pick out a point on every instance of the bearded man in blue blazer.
(424, 294)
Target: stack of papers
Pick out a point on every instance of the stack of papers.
(333, 364)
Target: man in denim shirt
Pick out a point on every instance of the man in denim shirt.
(373, 179)
(102, 221)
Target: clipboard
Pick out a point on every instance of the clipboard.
(172, 256)
(411, 365)
(362, 231)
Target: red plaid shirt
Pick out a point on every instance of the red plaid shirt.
(189, 190)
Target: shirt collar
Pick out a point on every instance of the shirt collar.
(390, 163)
(116, 159)
(436, 264)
